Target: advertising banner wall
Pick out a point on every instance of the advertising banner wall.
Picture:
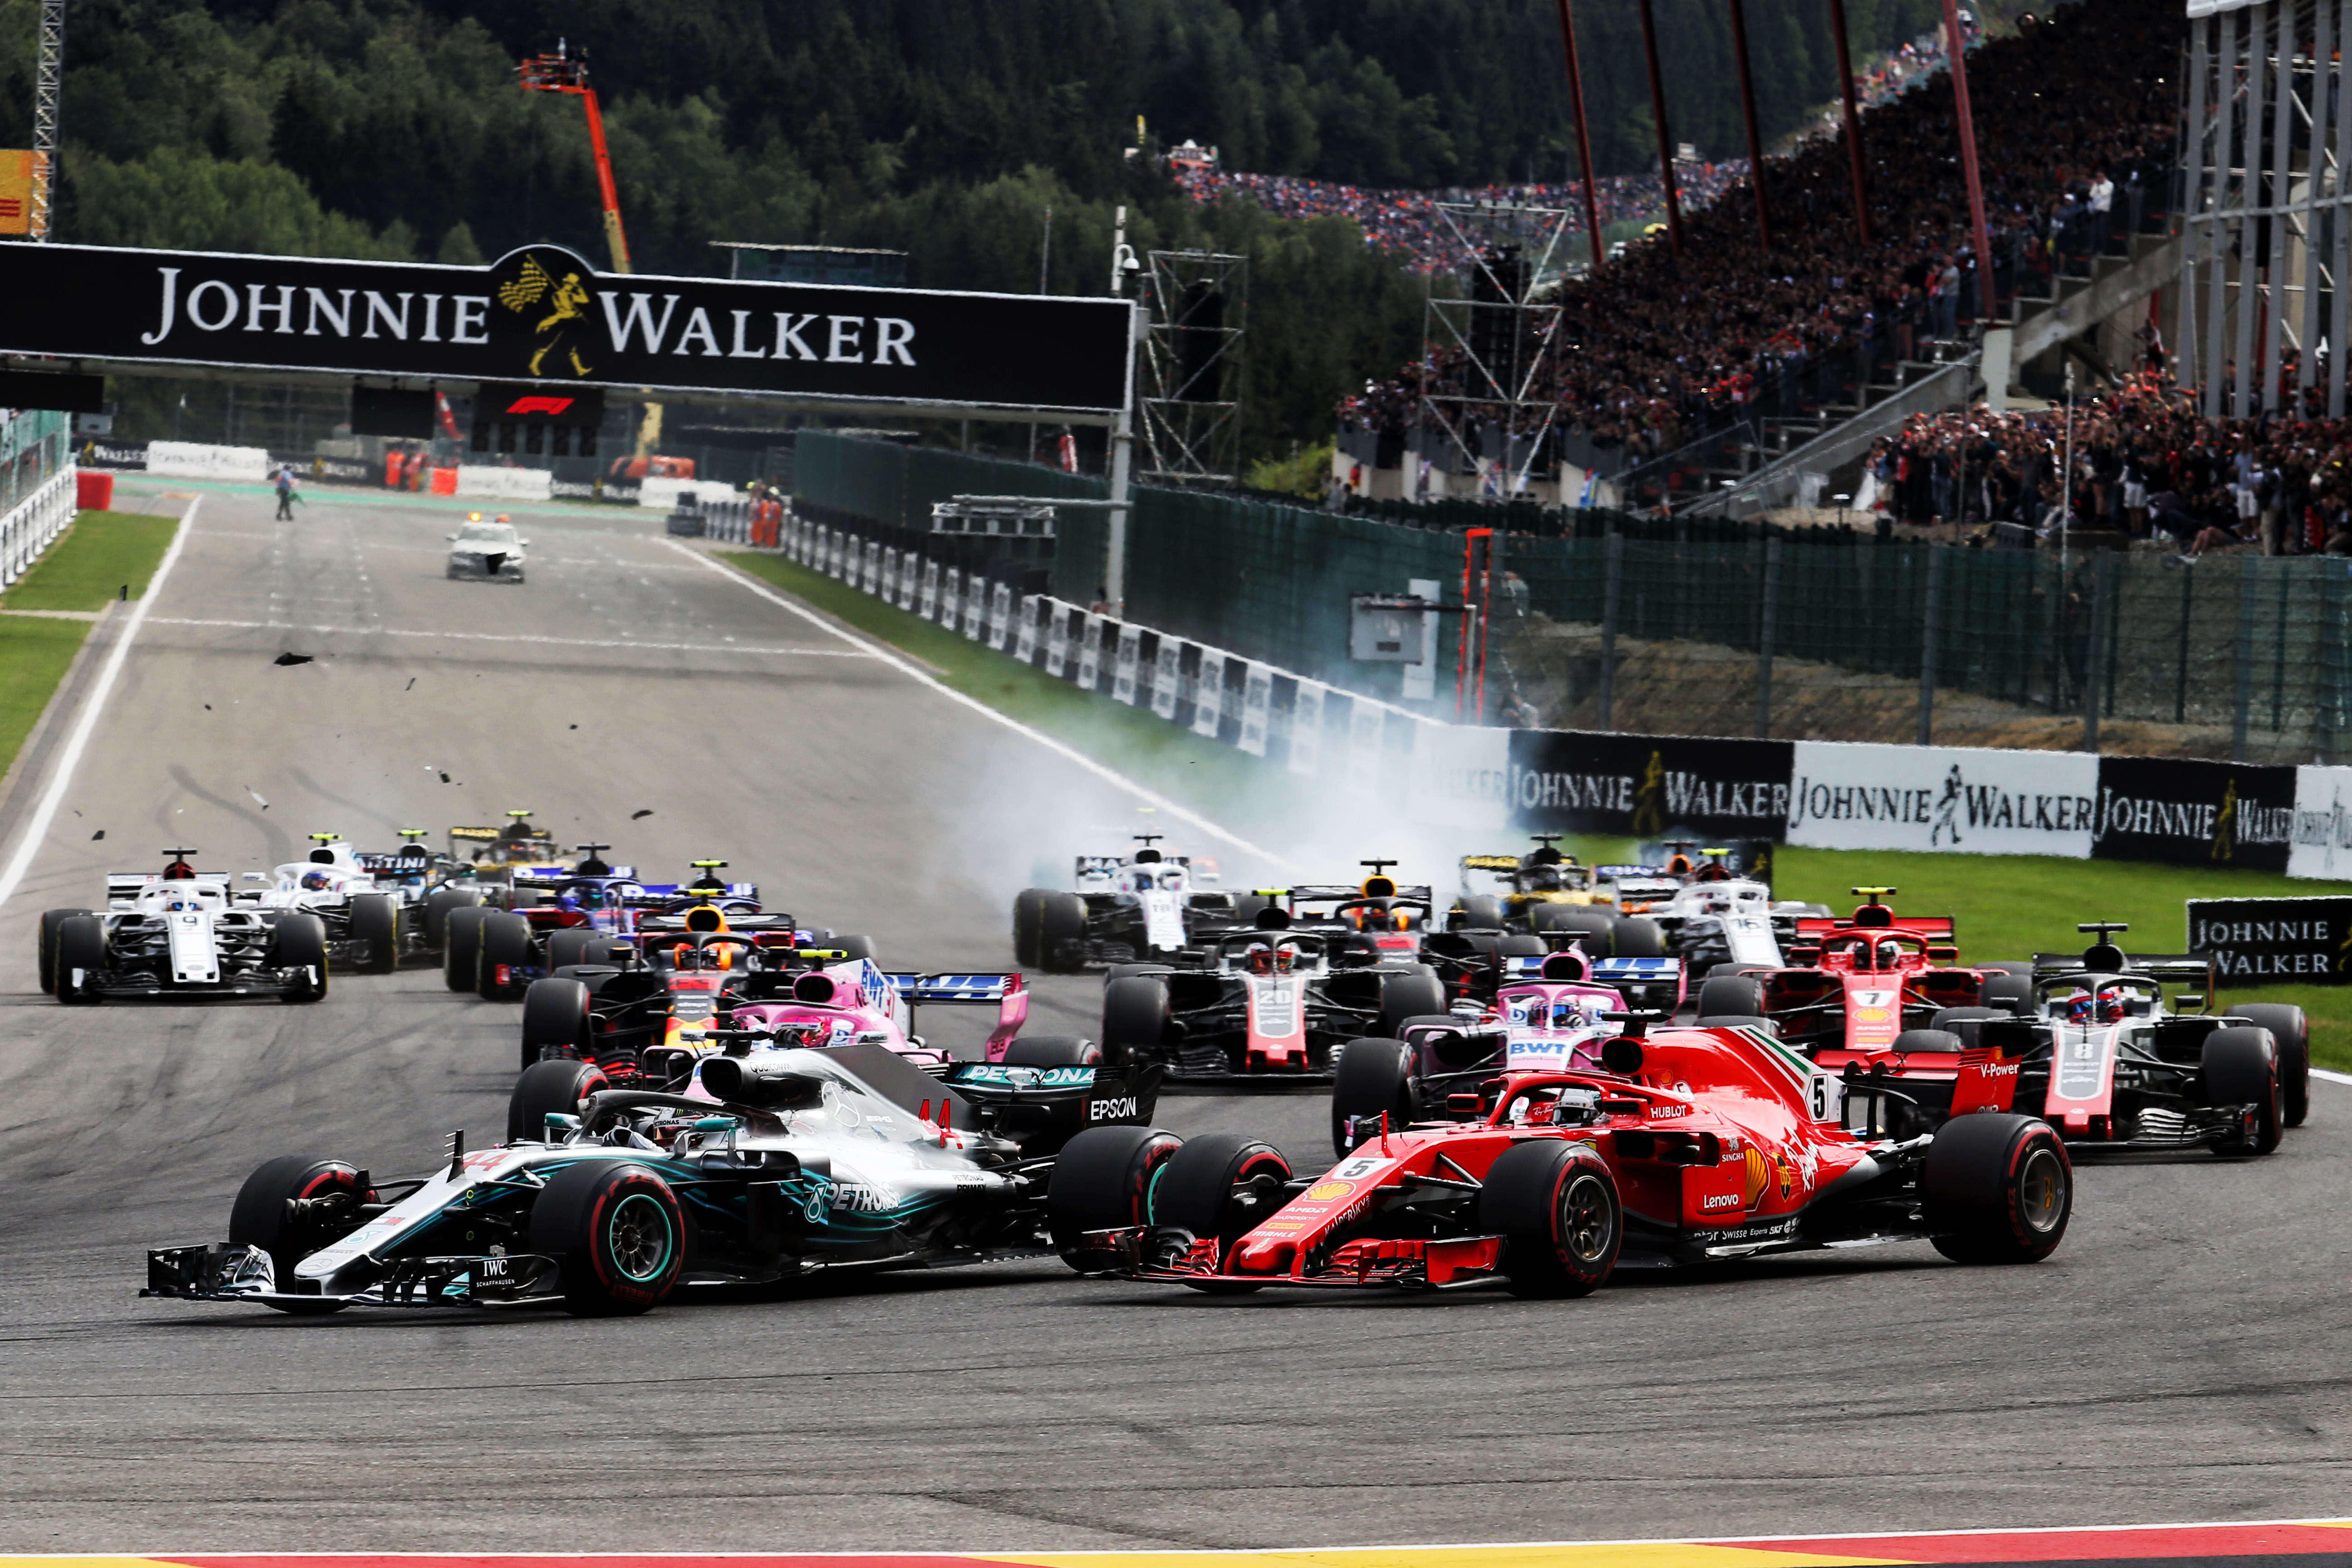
(2322, 842)
(2192, 813)
(2256, 940)
(1967, 801)
(1644, 786)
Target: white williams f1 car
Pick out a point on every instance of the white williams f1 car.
(362, 924)
(180, 933)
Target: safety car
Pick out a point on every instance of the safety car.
(487, 550)
(1145, 905)
(1683, 1146)
(790, 1162)
(181, 933)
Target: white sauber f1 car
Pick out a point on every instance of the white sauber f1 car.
(181, 932)
(1709, 914)
(790, 1162)
(489, 552)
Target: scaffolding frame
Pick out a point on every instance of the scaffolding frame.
(47, 77)
(1495, 238)
(1188, 439)
(2266, 237)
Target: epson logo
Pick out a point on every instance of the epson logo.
(1121, 1110)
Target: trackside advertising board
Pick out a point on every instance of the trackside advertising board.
(2322, 844)
(1644, 786)
(1968, 801)
(2258, 940)
(543, 317)
(2191, 813)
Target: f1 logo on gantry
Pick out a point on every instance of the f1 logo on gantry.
(551, 406)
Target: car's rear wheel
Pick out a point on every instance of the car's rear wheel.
(1996, 1188)
(50, 921)
(2241, 1067)
(1592, 929)
(852, 944)
(1221, 1184)
(299, 942)
(1134, 1017)
(1102, 1180)
(376, 925)
(1373, 1078)
(575, 944)
(505, 947)
(1404, 996)
(616, 1233)
(1477, 911)
(1556, 1206)
(461, 945)
(1730, 996)
(1062, 933)
(549, 1088)
(2291, 1032)
(1935, 1041)
(81, 951)
(1029, 927)
(555, 1019)
(437, 905)
(1638, 936)
(262, 1217)
(2005, 994)
(1052, 1051)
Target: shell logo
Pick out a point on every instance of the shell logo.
(1758, 1177)
(1871, 1014)
(1327, 1191)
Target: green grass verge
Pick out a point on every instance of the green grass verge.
(34, 654)
(1243, 792)
(101, 554)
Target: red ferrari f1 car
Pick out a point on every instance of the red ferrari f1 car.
(1688, 1145)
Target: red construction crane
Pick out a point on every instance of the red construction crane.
(559, 72)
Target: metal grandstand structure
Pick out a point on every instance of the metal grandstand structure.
(1487, 348)
(1195, 374)
(45, 112)
(2267, 239)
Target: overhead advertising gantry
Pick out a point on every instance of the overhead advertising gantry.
(539, 325)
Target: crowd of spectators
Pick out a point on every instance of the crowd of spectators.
(2145, 462)
(2074, 124)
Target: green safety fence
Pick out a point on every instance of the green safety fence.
(1670, 627)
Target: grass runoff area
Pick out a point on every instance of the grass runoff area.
(2007, 906)
(100, 557)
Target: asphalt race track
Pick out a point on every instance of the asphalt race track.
(2182, 1357)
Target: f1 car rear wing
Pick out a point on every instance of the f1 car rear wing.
(1335, 893)
(1929, 928)
(1602, 971)
(2178, 968)
(126, 884)
(954, 988)
(565, 874)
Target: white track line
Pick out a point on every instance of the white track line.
(915, 673)
(2331, 1077)
(61, 778)
(494, 637)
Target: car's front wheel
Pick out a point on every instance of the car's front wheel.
(1996, 1188)
(617, 1233)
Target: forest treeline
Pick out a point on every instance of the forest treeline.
(394, 128)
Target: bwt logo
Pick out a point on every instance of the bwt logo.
(548, 406)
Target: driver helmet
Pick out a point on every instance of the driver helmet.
(179, 871)
(315, 882)
(2086, 1008)
(1260, 958)
(1679, 865)
(1713, 871)
(1544, 879)
(1568, 1012)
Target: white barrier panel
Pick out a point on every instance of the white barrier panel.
(1970, 802)
(2322, 842)
(664, 491)
(1461, 775)
(34, 522)
(196, 460)
(495, 482)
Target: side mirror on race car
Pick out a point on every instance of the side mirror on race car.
(1622, 1056)
(813, 987)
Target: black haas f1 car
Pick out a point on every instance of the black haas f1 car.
(181, 934)
(2095, 1049)
(767, 1164)
(1271, 1000)
(1683, 1147)
(1857, 984)
(1139, 907)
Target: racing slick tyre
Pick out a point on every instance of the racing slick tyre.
(1738, 1021)
(505, 943)
(1062, 933)
(574, 945)
(1102, 1180)
(2006, 966)
(2005, 994)
(554, 1020)
(1134, 1017)
(2241, 1067)
(1595, 929)
(80, 948)
(1555, 1204)
(1052, 1051)
(437, 905)
(1639, 937)
(1519, 944)
(850, 944)
(50, 921)
(461, 945)
(261, 1217)
(1404, 996)
(1730, 996)
(1731, 968)
(617, 1233)
(1912, 1041)
(375, 921)
(1121, 970)
(1476, 911)
(1029, 927)
(549, 1088)
(2291, 1032)
(1373, 1076)
(1220, 1185)
(1965, 1021)
(299, 942)
(1996, 1188)
(1248, 907)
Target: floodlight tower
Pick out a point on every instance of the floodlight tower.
(560, 73)
(49, 73)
